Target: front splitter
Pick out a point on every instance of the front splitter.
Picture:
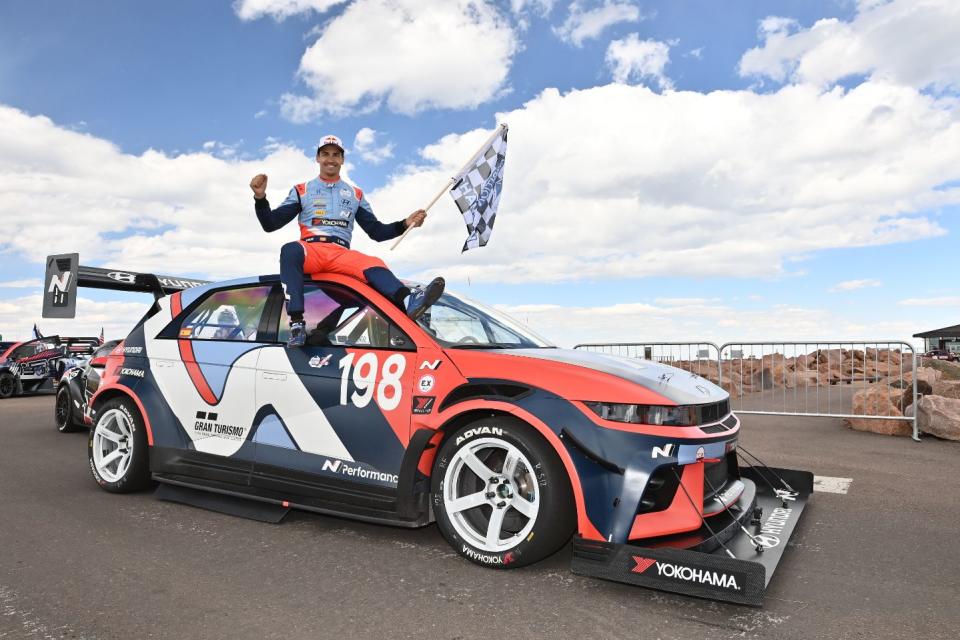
(742, 579)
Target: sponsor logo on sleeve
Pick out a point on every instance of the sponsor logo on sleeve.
(423, 404)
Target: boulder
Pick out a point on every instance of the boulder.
(939, 417)
(879, 401)
(924, 374)
(945, 388)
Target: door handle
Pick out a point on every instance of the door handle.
(274, 376)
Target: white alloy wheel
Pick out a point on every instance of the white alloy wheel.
(491, 494)
(112, 445)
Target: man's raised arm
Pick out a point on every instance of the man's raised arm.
(271, 220)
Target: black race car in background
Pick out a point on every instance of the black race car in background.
(37, 365)
(76, 386)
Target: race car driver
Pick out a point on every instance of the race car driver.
(326, 208)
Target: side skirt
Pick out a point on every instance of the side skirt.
(388, 515)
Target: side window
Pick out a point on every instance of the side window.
(336, 317)
(233, 315)
(454, 325)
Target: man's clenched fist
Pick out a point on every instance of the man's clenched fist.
(259, 185)
(416, 218)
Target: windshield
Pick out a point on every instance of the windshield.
(456, 321)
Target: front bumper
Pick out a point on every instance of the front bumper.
(698, 563)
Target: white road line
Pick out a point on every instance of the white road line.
(826, 484)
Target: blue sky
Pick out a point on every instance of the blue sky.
(676, 170)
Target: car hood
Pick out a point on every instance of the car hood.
(682, 387)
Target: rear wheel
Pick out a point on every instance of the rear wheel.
(63, 411)
(117, 450)
(501, 495)
(8, 384)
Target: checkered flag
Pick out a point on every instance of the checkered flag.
(477, 190)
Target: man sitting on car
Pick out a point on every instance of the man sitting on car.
(326, 208)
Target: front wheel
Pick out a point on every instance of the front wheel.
(501, 496)
(117, 450)
(63, 411)
(8, 384)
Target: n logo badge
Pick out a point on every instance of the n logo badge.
(60, 286)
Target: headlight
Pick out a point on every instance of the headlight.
(645, 413)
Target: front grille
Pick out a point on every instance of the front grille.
(715, 476)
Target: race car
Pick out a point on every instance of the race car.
(37, 365)
(464, 418)
(75, 388)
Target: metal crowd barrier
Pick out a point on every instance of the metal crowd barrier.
(815, 378)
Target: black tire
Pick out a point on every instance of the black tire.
(121, 418)
(539, 485)
(8, 385)
(63, 411)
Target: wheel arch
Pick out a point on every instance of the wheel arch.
(120, 391)
(467, 412)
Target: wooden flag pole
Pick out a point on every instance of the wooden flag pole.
(452, 180)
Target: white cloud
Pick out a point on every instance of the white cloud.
(260, 114)
(903, 41)
(633, 58)
(280, 9)
(22, 284)
(416, 55)
(365, 143)
(621, 182)
(542, 7)
(189, 214)
(584, 24)
(942, 301)
(717, 323)
(853, 285)
(17, 316)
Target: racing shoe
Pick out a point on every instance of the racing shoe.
(422, 297)
(298, 335)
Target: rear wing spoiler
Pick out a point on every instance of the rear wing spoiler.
(65, 274)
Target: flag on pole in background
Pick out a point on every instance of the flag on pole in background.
(36, 332)
(101, 335)
(477, 190)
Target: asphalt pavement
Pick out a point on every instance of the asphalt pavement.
(880, 561)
